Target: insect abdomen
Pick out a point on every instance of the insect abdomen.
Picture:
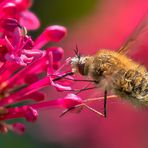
(131, 85)
(125, 77)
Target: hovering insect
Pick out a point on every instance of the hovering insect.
(115, 72)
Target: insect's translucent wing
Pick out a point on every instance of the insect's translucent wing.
(138, 38)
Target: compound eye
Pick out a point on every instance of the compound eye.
(81, 68)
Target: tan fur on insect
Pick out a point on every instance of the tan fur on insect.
(116, 72)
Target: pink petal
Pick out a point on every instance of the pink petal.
(56, 65)
(59, 87)
(31, 114)
(55, 32)
(23, 4)
(52, 33)
(9, 11)
(57, 52)
(27, 112)
(8, 24)
(18, 128)
(29, 20)
(71, 100)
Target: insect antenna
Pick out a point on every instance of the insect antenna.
(77, 53)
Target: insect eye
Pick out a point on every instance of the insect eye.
(79, 57)
(81, 68)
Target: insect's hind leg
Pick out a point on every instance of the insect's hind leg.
(105, 103)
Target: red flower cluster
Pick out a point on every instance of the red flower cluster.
(22, 62)
(25, 68)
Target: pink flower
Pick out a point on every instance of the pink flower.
(22, 62)
(20, 49)
(18, 128)
(25, 68)
(52, 33)
(30, 113)
(19, 10)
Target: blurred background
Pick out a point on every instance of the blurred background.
(91, 24)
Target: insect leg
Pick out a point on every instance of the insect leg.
(61, 77)
(80, 108)
(81, 80)
(66, 111)
(69, 74)
(84, 104)
(105, 102)
(77, 91)
(84, 89)
(93, 110)
(99, 98)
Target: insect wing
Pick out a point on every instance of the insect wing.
(138, 39)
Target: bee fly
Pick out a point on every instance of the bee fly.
(114, 71)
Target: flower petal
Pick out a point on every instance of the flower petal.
(29, 20)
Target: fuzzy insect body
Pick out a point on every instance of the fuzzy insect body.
(116, 72)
